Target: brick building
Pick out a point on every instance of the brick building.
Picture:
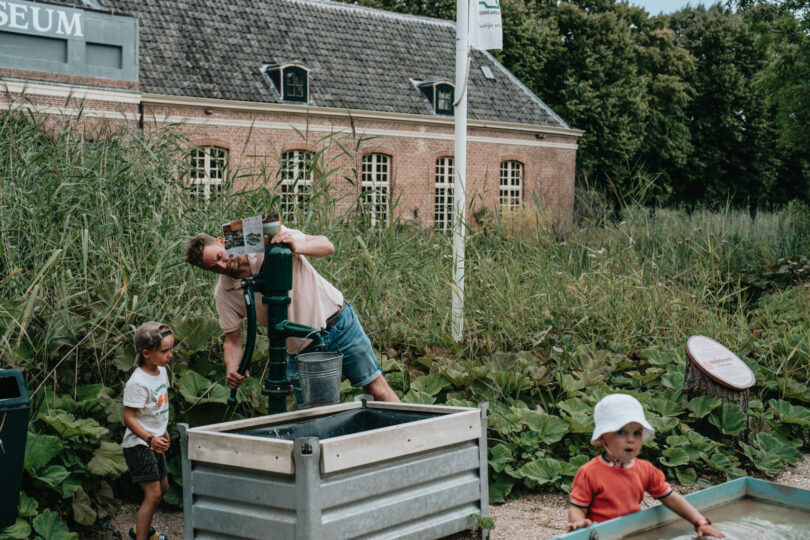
(265, 88)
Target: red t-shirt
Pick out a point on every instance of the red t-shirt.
(607, 491)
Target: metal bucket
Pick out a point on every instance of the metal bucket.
(320, 373)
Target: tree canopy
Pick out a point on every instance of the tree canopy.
(710, 105)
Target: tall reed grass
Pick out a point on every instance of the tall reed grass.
(92, 237)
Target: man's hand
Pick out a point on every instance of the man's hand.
(295, 240)
(578, 524)
(304, 244)
(234, 379)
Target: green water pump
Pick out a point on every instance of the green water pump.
(274, 281)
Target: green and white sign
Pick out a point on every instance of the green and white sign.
(485, 25)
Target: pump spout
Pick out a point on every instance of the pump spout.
(299, 330)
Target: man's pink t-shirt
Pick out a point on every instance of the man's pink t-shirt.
(313, 299)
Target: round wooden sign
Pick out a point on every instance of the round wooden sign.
(719, 363)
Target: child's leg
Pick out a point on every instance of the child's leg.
(164, 485)
(152, 493)
(149, 470)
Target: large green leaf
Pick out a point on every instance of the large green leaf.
(20, 530)
(540, 471)
(69, 485)
(124, 359)
(662, 424)
(83, 511)
(509, 383)
(40, 450)
(197, 389)
(704, 444)
(549, 428)
(431, 384)
(662, 357)
(194, 334)
(648, 376)
(571, 384)
(500, 485)
(686, 476)
(27, 506)
(500, 456)
(729, 419)
(673, 457)
(703, 405)
(88, 396)
(108, 460)
(769, 464)
(571, 467)
(719, 462)
(50, 526)
(416, 396)
(664, 407)
(789, 413)
(68, 426)
(579, 417)
(53, 476)
(672, 380)
(771, 445)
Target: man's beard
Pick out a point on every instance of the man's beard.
(235, 267)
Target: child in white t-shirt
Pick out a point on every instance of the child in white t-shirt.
(146, 415)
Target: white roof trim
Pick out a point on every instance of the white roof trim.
(159, 99)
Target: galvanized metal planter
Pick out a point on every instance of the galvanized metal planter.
(703, 500)
(423, 479)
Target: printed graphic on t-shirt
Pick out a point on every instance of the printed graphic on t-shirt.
(161, 398)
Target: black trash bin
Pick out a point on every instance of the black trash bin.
(15, 407)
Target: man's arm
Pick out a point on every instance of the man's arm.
(232, 355)
(304, 244)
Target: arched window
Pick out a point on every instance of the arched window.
(376, 185)
(511, 192)
(296, 181)
(443, 195)
(207, 171)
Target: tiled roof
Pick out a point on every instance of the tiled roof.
(359, 58)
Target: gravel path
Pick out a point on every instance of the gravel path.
(534, 517)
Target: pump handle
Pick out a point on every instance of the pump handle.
(250, 341)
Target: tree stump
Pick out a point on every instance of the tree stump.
(714, 371)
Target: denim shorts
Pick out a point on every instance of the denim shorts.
(144, 464)
(360, 364)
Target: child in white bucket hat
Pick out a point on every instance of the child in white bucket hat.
(613, 483)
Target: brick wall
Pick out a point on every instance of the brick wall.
(255, 141)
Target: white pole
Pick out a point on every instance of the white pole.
(460, 167)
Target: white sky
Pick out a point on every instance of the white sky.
(656, 7)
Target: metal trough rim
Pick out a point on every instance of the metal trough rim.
(218, 444)
(703, 500)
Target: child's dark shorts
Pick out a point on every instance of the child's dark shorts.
(144, 464)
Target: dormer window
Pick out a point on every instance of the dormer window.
(440, 94)
(290, 81)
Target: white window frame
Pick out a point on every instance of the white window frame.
(208, 171)
(295, 186)
(511, 190)
(376, 186)
(443, 194)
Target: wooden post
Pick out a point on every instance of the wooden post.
(714, 371)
